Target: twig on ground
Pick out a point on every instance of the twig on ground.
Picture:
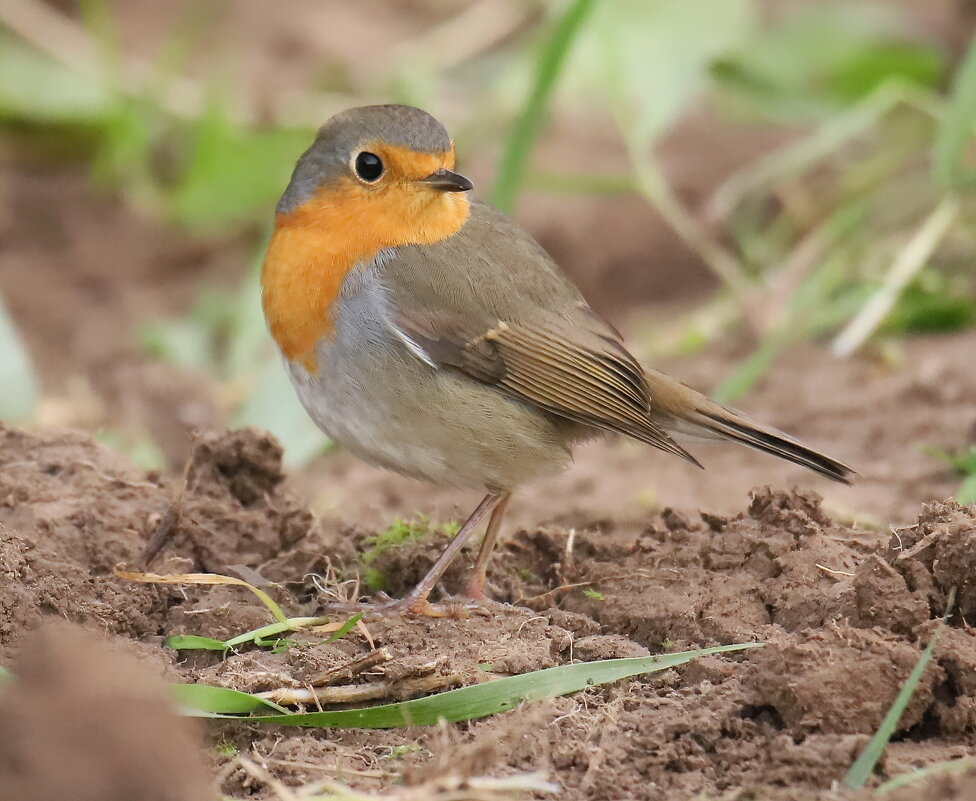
(170, 520)
(834, 572)
(357, 693)
(451, 787)
(351, 669)
(336, 769)
(261, 774)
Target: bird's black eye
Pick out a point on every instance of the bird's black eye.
(368, 166)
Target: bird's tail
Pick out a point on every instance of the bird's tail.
(683, 411)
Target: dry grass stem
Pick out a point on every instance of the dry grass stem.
(357, 693)
(351, 669)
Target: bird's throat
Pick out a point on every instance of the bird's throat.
(314, 247)
(302, 275)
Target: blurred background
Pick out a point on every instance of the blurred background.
(774, 199)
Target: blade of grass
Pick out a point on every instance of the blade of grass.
(799, 156)
(906, 265)
(346, 627)
(291, 624)
(205, 579)
(747, 373)
(862, 768)
(466, 703)
(957, 765)
(955, 134)
(966, 494)
(193, 642)
(190, 642)
(198, 700)
(581, 183)
(965, 464)
(654, 186)
(812, 309)
(19, 395)
(518, 145)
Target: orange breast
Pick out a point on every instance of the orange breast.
(315, 246)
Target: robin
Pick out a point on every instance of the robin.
(429, 334)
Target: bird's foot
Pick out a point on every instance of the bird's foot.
(413, 606)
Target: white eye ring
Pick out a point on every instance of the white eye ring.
(368, 167)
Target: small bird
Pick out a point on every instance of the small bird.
(429, 334)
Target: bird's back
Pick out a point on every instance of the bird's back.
(491, 268)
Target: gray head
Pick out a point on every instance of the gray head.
(371, 145)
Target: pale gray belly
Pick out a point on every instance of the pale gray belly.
(375, 397)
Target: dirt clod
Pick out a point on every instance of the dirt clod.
(88, 720)
(836, 680)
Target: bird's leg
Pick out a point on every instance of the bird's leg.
(476, 584)
(416, 602)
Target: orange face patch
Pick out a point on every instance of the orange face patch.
(347, 223)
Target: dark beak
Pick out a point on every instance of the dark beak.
(447, 181)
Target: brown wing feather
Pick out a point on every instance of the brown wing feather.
(573, 367)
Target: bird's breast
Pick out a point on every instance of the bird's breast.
(314, 248)
(302, 276)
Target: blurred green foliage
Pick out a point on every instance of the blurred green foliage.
(862, 223)
(36, 89)
(963, 462)
(16, 373)
(232, 174)
(820, 59)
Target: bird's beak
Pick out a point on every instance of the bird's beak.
(447, 181)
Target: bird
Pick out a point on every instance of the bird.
(427, 333)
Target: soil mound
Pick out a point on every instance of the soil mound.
(90, 722)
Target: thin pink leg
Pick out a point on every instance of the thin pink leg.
(476, 584)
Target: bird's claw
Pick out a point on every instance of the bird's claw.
(419, 607)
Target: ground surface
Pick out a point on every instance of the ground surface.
(843, 610)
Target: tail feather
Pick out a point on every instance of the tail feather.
(682, 410)
(733, 425)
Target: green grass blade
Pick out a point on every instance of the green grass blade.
(346, 627)
(595, 184)
(912, 258)
(290, 624)
(466, 703)
(803, 154)
(520, 141)
(199, 700)
(192, 642)
(745, 374)
(957, 765)
(966, 494)
(19, 394)
(862, 768)
(37, 89)
(958, 127)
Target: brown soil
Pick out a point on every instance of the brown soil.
(843, 611)
(76, 726)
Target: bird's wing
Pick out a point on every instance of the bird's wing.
(572, 364)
